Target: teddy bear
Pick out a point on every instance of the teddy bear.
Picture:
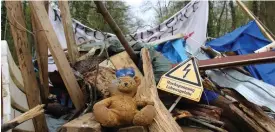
(122, 108)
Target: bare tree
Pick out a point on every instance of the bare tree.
(233, 14)
(220, 18)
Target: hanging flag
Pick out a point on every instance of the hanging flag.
(192, 19)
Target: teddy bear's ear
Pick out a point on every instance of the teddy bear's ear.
(138, 81)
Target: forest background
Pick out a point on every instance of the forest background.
(224, 17)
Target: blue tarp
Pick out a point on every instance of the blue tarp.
(245, 40)
(175, 52)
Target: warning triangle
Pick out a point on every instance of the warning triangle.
(186, 72)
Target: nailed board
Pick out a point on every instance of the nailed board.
(183, 80)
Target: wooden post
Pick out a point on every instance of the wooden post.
(58, 54)
(163, 120)
(42, 57)
(17, 22)
(106, 15)
(68, 30)
(252, 16)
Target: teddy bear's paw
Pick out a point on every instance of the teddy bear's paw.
(145, 116)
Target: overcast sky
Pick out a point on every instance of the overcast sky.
(147, 17)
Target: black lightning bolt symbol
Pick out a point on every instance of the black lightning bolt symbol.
(186, 70)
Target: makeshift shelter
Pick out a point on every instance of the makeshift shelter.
(87, 78)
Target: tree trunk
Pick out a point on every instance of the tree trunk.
(255, 8)
(220, 18)
(211, 28)
(233, 14)
(266, 14)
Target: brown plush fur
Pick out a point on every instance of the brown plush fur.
(121, 107)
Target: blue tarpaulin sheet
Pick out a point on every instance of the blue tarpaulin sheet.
(175, 52)
(245, 40)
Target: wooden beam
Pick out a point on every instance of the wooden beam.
(58, 55)
(38, 110)
(240, 114)
(240, 60)
(108, 18)
(163, 120)
(85, 123)
(17, 22)
(42, 57)
(250, 14)
(68, 30)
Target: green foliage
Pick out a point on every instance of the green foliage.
(86, 13)
(6, 32)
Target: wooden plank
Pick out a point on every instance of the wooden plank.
(42, 58)
(122, 60)
(85, 123)
(68, 30)
(133, 129)
(234, 61)
(58, 55)
(16, 17)
(163, 120)
(256, 127)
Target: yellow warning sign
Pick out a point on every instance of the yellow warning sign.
(183, 80)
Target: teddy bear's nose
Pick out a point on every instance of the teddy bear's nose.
(125, 84)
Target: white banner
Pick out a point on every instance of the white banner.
(192, 19)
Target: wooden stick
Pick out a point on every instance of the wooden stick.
(252, 16)
(42, 59)
(163, 120)
(207, 125)
(68, 30)
(248, 120)
(58, 54)
(38, 110)
(157, 42)
(17, 21)
(108, 18)
(210, 120)
(259, 116)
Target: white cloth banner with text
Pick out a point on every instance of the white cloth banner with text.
(191, 20)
